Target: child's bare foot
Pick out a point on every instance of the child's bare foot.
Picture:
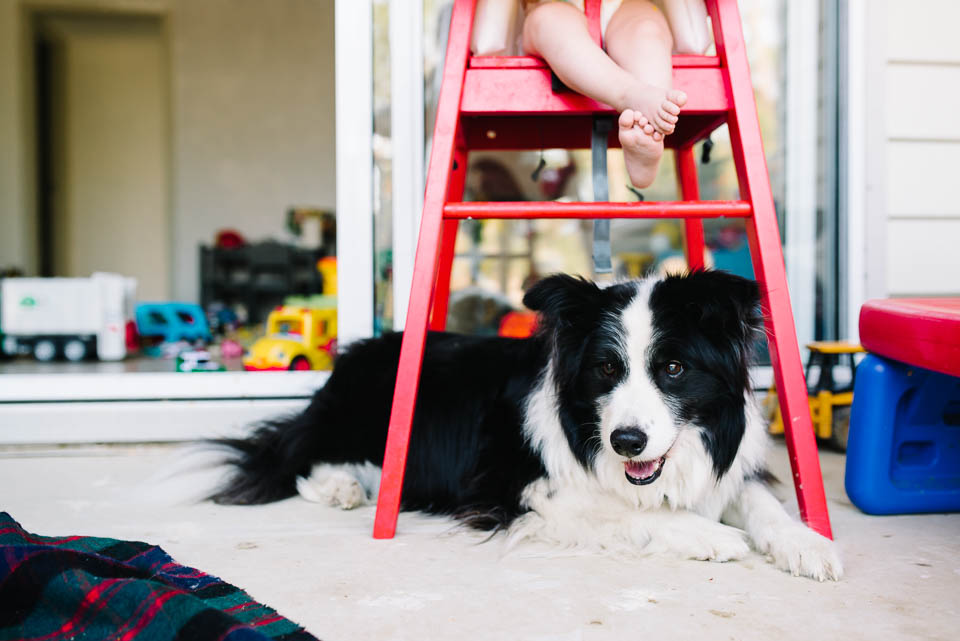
(661, 107)
(642, 147)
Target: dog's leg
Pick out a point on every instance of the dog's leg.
(790, 545)
(690, 536)
(571, 519)
(341, 485)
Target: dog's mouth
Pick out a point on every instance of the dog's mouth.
(644, 472)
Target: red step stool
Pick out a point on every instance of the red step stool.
(923, 332)
(507, 103)
(903, 455)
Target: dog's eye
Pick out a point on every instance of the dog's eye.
(608, 368)
(674, 369)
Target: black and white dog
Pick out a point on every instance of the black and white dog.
(625, 424)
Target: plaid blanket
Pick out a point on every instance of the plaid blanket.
(82, 587)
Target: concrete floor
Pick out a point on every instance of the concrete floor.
(319, 566)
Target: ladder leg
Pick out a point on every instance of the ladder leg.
(408, 375)
(686, 163)
(424, 272)
(448, 243)
(441, 294)
(767, 255)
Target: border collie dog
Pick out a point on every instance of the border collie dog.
(625, 424)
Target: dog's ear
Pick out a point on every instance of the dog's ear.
(562, 297)
(740, 293)
(722, 438)
(717, 301)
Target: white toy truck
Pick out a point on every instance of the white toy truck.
(69, 318)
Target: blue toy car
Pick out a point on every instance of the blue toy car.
(172, 322)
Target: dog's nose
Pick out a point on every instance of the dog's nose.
(628, 441)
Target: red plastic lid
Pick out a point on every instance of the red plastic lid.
(923, 332)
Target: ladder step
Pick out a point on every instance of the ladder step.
(565, 131)
(550, 209)
(528, 91)
(533, 62)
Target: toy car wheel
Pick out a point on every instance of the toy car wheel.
(300, 363)
(44, 350)
(75, 350)
(840, 428)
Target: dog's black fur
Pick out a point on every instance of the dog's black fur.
(467, 452)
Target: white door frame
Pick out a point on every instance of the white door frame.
(353, 35)
(407, 145)
(863, 159)
(802, 90)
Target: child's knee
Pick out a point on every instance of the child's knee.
(640, 22)
(652, 27)
(543, 17)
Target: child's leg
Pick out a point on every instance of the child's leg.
(557, 32)
(638, 39)
(642, 148)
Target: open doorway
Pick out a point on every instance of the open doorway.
(102, 143)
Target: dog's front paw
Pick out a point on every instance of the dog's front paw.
(722, 543)
(707, 541)
(338, 490)
(802, 552)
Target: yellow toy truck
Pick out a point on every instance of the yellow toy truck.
(297, 338)
(829, 401)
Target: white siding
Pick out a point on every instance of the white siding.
(923, 31)
(921, 134)
(922, 257)
(923, 101)
(923, 179)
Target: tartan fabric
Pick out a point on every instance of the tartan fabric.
(82, 587)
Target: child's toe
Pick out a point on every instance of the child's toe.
(668, 117)
(664, 128)
(671, 108)
(677, 97)
(627, 119)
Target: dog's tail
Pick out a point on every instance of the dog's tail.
(265, 465)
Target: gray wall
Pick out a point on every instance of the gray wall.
(252, 119)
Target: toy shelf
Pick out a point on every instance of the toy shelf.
(258, 276)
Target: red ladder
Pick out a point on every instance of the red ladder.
(507, 103)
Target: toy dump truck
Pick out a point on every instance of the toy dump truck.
(68, 318)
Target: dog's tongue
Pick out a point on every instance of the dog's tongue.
(641, 470)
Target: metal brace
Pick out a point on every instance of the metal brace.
(601, 193)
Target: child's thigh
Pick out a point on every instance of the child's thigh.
(636, 23)
(551, 21)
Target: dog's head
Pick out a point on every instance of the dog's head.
(638, 363)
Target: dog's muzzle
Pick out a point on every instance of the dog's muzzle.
(630, 442)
